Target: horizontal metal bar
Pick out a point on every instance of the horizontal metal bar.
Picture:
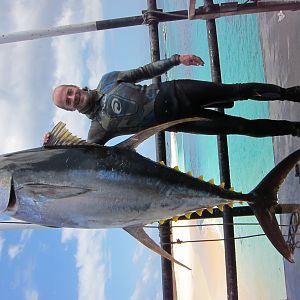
(234, 9)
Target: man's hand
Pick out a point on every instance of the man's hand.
(191, 60)
(46, 138)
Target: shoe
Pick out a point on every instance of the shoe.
(292, 94)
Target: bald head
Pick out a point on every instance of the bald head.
(70, 97)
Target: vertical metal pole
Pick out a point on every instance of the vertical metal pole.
(164, 230)
(230, 259)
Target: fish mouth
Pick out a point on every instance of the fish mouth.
(12, 202)
(7, 192)
(8, 200)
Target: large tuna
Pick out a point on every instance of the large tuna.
(71, 183)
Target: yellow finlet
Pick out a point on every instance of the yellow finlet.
(162, 163)
(221, 207)
(210, 210)
(189, 173)
(199, 212)
(231, 189)
(175, 219)
(188, 215)
(211, 181)
(176, 168)
(201, 178)
(222, 185)
(230, 204)
(161, 222)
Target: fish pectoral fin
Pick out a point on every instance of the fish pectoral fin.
(139, 233)
(135, 140)
(54, 191)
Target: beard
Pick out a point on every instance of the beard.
(92, 97)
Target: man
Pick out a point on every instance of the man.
(120, 106)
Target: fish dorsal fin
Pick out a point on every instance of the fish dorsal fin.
(133, 142)
(139, 233)
(61, 136)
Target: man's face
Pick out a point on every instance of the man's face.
(70, 97)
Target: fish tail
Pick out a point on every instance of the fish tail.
(264, 200)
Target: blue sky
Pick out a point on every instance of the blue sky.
(54, 263)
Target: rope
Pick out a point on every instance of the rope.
(178, 241)
(213, 224)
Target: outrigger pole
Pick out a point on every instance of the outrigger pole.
(202, 13)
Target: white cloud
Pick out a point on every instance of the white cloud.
(25, 282)
(71, 68)
(25, 73)
(148, 287)
(1, 245)
(31, 294)
(138, 253)
(92, 261)
(26, 234)
(29, 70)
(15, 250)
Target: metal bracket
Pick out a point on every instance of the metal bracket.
(293, 228)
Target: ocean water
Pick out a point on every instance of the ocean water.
(259, 267)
